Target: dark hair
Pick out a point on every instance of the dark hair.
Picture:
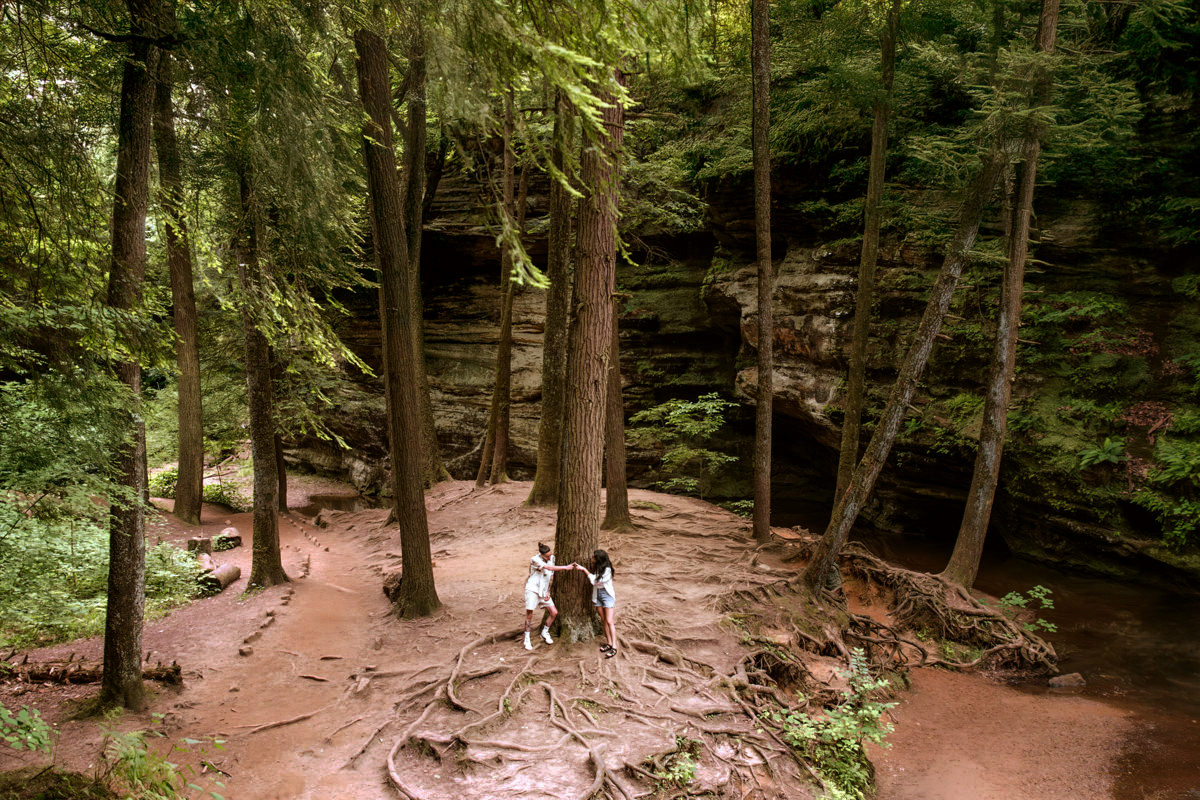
(543, 548)
(600, 560)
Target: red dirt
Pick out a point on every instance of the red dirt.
(962, 736)
(957, 736)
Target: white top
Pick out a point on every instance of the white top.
(539, 577)
(602, 581)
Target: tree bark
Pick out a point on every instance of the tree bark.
(760, 67)
(558, 298)
(493, 466)
(856, 385)
(577, 530)
(281, 486)
(266, 563)
(862, 480)
(189, 487)
(968, 548)
(121, 683)
(415, 207)
(616, 488)
(417, 595)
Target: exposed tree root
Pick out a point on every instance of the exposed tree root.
(920, 601)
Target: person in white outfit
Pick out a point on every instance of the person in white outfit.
(603, 598)
(537, 591)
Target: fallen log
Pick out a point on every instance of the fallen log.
(217, 579)
(78, 672)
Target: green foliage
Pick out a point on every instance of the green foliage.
(1039, 594)
(227, 494)
(1110, 451)
(138, 770)
(685, 430)
(678, 768)
(54, 576)
(25, 730)
(223, 542)
(163, 482)
(833, 742)
(1173, 493)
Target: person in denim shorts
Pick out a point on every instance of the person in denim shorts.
(603, 598)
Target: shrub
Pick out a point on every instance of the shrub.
(227, 494)
(162, 483)
(833, 743)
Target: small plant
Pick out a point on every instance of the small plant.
(133, 768)
(678, 768)
(1040, 594)
(833, 743)
(25, 730)
(1110, 451)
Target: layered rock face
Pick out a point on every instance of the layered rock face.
(690, 325)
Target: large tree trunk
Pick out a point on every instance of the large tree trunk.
(558, 298)
(578, 526)
(415, 207)
(417, 595)
(616, 489)
(493, 466)
(856, 385)
(189, 487)
(266, 563)
(862, 480)
(968, 549)
(122, 680)
(760, 67)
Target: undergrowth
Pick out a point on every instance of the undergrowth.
(833, 740)
(54, 576)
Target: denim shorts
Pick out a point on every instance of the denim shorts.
(604, 599)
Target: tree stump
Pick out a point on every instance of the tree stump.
(199, 544)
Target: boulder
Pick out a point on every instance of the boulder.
(1069, 681)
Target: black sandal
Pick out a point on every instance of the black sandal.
(608, 650)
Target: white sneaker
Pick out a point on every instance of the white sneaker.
(546, 636)
(528, 644)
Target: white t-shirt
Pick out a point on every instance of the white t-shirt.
(539, 577)
(602, 581)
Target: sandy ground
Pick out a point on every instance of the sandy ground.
(294, 722)
(961, 736)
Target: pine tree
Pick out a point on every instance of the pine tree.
(121, 683)
(417, 594)
(189, 485)
(577, 530)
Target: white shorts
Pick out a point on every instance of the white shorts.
(534, 601)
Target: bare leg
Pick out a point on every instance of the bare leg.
(551, 613)
(608, 615)
(528, 620)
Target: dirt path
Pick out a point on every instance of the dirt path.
(349, 680)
